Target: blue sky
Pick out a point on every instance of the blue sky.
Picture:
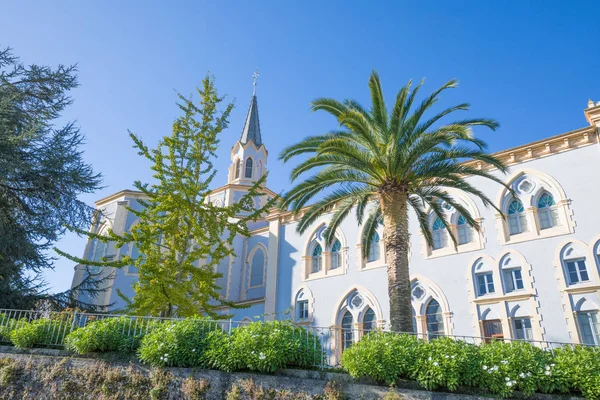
(532, 65)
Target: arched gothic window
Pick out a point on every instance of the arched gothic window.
(238, 166)
(302, 309)
(248, 171)
(257, 268)
(547, 212)
(336, 255)
(374, 248)
(465, 234)
(439, 234)
(517, 221)
(369, 323)
(347, 330)
(435, 319)
(316, 258)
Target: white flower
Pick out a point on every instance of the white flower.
(529, 374)
(509, 384)
(166, 355)
(162, 359)
(522, 375)
(446, 356)
(495, 368)
(504, 362)
(548, 373)
(507, 379)
(193, 350)
(429, 358)
(484, 367)
(435, 364)
(552, 365)
(262, 356)
(547, 368)
(451, 356)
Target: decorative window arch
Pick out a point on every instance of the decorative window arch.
(483, 278)
(467, 237)
(257, 262)
(575, 264)
(249, 168)
(440, 237)
(316, 258)
(517, 221)
(542, 209)
(237, 165)
(465, 231)
(303, 306)
(430, 309)
(357, 313)
(336, 255)
(547, 211)
(321, 259)
(435, 319)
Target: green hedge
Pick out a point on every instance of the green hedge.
(498, 367)
(264, 347)
(177, 344)
(109, 334)
(40, 332)
(7, 325)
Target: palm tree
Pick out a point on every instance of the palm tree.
(393, 161)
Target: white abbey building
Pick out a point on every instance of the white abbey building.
(532, 275)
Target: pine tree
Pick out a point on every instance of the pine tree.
(180, 236)
(42, 173)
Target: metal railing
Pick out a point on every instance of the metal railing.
(327, 342)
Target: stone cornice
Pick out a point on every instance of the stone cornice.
(123, 193)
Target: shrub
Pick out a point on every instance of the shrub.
(40, 332)
(264, 347)
(385, 357)
(448, 363)
(577, 368)
(109, 334)
(177, 344)
(7, 325)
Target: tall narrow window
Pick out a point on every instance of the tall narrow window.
(316, 258)
(485, 283)
(302, 309)
(577, 271)
(492, 329)
(374, 248)
(347, 330)
(522, 328)
(517, 221)
(435, 319)
(589, 327)
(257, 268)
(369, 321)
(248, 170)
(513, 279)
(439, 234)
(336, 255)
(464, 231)
(238, 166)
(547, 212)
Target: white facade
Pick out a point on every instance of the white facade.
(530, 274)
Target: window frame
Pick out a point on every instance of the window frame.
(516, 219)
(525, 332)
(577, 270)
(486, 283)
(509, 276)
(248, 167)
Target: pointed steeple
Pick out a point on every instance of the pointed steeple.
(251, 131)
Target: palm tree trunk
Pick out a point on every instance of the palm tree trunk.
(396, 240)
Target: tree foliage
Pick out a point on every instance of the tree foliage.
(42, 173)
(181, 236)
(384, 162)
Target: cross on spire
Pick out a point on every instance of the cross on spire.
(255, 76)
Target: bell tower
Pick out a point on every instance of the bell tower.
(249, 155)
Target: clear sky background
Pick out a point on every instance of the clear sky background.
(532, 65)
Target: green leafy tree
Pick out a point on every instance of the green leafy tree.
(42, 173)
(397, 161)
(181, 236)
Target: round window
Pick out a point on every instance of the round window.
(357, 301)
(418, 293)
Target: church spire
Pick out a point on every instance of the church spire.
(251, 131)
